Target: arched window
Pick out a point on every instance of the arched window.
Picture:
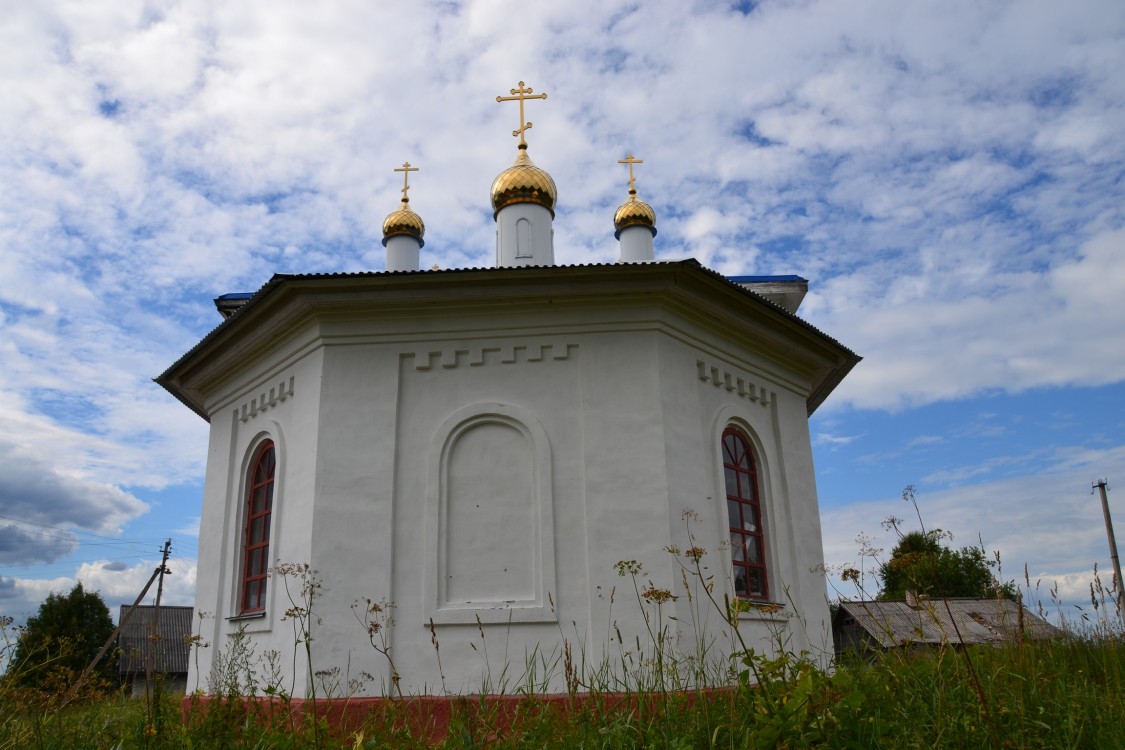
(523, 239)
(256, 535)
(744, 512)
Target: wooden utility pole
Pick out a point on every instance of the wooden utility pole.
(1102, 485)
(159, 571)
(153, 648)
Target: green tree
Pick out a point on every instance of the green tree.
(63, 637)
(921, 562)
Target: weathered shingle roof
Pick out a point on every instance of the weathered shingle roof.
(935, 621)
(170, 650)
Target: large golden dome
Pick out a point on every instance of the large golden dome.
(404, 221)
(634, 213)
(523, 182)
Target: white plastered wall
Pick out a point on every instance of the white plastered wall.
(628, 408)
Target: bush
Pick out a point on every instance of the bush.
(63, 638)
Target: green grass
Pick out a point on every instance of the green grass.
(1064, 693)
(1060, 694)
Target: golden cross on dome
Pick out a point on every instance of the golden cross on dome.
(406, 169)
(631, 160)
(520, 95)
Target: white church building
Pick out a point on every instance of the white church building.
(482, 448)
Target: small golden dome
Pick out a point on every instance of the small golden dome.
(523, 182)
(404, 221)
(634, 213)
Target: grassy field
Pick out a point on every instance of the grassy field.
(1060, 694)
(1068, 692)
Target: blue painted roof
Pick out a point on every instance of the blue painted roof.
(236, 295)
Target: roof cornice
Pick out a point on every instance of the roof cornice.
(288, 300)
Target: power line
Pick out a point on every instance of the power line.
(68, 562)
(72, 531)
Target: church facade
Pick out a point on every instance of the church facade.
(537, 472)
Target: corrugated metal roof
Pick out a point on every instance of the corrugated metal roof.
(946, 621)
(169, 651)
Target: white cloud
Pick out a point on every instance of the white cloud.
(1003, 331)
(35, 488)
(123, 586)
(20, 597)
(824, 438)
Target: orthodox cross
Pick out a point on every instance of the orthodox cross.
(520, 95)
(631, 160)
(406, 169)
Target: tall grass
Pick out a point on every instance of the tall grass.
(1065, 692)
(1068, 692)
(1052, 694)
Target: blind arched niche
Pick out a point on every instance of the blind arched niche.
(489, 518)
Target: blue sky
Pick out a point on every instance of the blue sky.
(947, 175)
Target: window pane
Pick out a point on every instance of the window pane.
(737, 550)
(749, 487)
(731, 480)
(258, 503)
(254, 562)
(753, 549)
(733, 514)
(740, 582)
(269, 495)
(728, 449)
(749, 517)
(756, 583)
(256, 530)
(250, 601)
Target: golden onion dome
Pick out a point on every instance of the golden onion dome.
(634, 213)
(404, 221)
(523, 182)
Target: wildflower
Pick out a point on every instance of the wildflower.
(628, 568)
(196, 640)
(695, 553)
(657, 595)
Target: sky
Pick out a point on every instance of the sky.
(947, 175)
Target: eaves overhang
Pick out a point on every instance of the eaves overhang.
(703, 290)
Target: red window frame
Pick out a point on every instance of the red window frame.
(744, 514)
(256, 532)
